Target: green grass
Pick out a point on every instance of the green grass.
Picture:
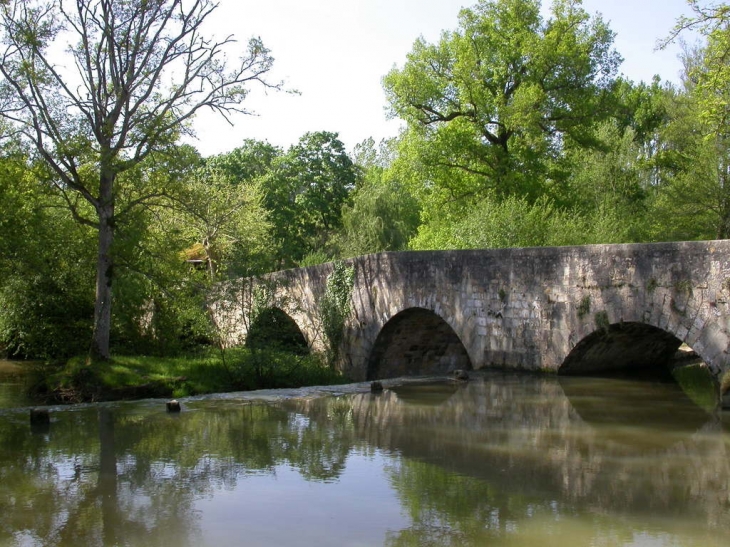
(207, 371)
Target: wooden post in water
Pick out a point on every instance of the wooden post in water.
(39, 417)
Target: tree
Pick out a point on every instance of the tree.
(490, 106)
(140, 70)
(304, 193)
(383, 215)
(693, 195)
(711, 76)
(250, 161)
(46, 297)
(227, 219)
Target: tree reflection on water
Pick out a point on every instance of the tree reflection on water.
(470, 463)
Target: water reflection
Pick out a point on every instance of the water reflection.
(13, 377)
(504, 459)
(426, 393)
(639, 414)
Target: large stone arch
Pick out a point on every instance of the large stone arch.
(416, 341)
(623, 325)
(621, 346)
(274, 328)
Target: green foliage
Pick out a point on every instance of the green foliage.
(584, 307)
(135, 73)
(45, 315)
(515, 222)
(712, 75)
(227, 219)
(46, 277)
(304, 193)
(694, 199)
(335, 307)
(611, 179)
(683, 286)
(490, 106)
(383, 216)
(602, 321)
(314, 258)
(125, 377)
(246, 163)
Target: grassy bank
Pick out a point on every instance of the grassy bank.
(209, 371)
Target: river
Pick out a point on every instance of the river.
(505, 459)
(13, 375)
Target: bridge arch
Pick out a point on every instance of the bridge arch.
(416, 341)
(640, 350)
(621, 346)
(274, 328)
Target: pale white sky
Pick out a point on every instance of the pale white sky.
(335, 53)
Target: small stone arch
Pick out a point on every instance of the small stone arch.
(273, 328)
(415, 342)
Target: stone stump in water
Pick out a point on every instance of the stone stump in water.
(173, 406)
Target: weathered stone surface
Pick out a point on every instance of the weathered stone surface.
(582, 308)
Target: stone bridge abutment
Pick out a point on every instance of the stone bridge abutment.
(561, 309)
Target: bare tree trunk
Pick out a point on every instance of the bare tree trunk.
(104, 272)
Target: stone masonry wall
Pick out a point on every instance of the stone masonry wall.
(529, 308)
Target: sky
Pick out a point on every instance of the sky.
(335, 53)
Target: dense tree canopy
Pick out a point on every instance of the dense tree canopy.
(491, 106)
(305, 191)
(138, 72)
(518, 131)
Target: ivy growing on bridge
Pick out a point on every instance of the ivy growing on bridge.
(335, 306)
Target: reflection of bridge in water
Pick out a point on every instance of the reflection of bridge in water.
(558, 441)
(567, 309)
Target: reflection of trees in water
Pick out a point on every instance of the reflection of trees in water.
(447, 509)
(120, 477)
(524, 439)
(71, 486)
(476, 459)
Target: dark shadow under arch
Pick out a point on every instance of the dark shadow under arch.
(416, 342)
(637, 351)
(633, 347)
(274, 329)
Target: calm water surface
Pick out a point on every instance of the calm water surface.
(12, 382)
(509, 460)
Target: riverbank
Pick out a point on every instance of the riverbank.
(137, 377)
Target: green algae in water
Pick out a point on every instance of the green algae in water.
(697, 382)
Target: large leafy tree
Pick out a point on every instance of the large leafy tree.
(46, 297)
(491, 106)
(693, 191)
(711, 76)
(226, 219)
(382, 215)
(248, 162)
(305, 192)
(134, 74)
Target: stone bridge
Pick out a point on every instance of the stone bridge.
(561, 309)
